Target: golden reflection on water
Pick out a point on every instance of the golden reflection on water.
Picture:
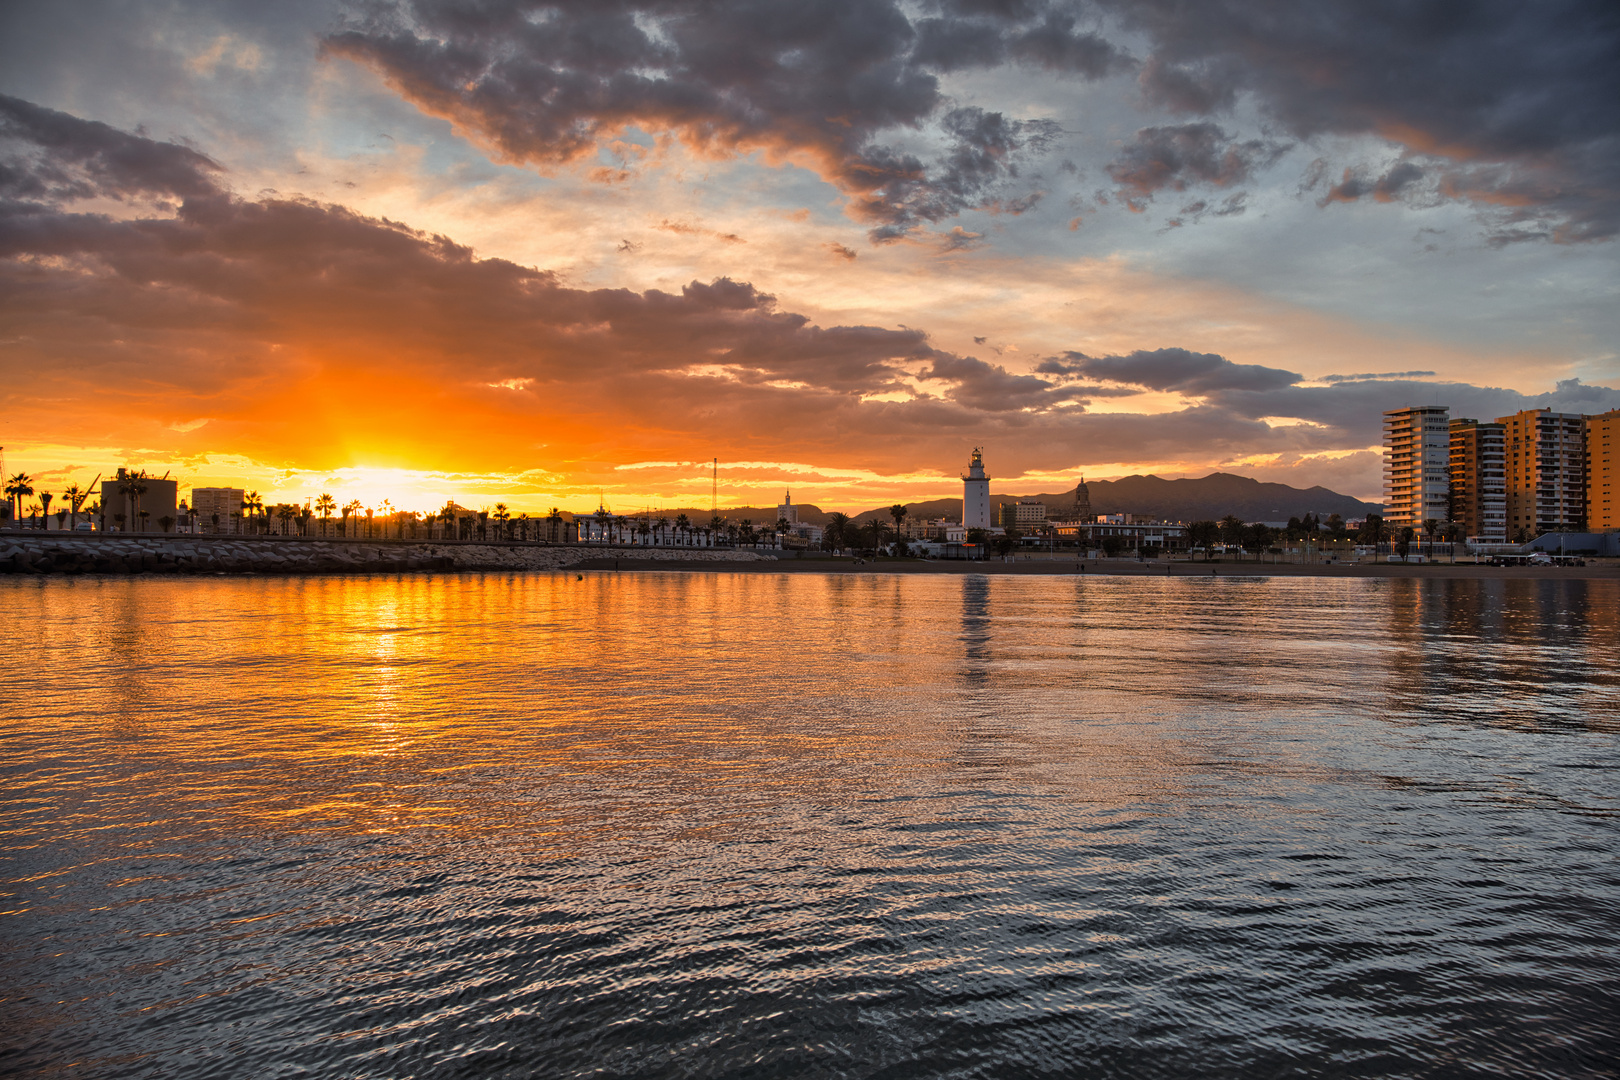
(530, 702)
(398, 801)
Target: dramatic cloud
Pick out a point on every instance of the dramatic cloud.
(1175, 157)
(1179, 370)
(823, 82)
(52, 156)
(1513, 103)
(1372, 375)
(307, 333)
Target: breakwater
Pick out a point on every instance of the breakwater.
(45, 553)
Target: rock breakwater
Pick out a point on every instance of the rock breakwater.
(47, 554)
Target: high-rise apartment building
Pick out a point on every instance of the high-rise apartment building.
(1417, 465)
(1478, 481)
(218, 509)
(1545, 456)
(1602, 466)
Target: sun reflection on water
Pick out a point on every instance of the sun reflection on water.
(897, 804)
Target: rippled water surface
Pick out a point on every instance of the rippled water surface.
(722, 825)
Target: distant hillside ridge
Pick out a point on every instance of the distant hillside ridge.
(809, 513)
(1207, 498)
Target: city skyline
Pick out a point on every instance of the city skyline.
(291, 253)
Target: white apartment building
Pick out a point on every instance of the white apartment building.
(223, 503)
(1417, 465)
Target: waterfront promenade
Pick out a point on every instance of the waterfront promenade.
(28, 552)
(31, 552)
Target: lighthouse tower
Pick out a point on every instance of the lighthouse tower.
(976, 494)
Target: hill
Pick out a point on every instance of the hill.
(1205, 498)
(759, 515)
(1210, 497)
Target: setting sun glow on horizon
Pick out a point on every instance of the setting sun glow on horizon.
(313, 255)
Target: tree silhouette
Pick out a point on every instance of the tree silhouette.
(18, 488)
(324, 505)
(1232, 532)
(835, 534)
(132, 485)
(254, 505)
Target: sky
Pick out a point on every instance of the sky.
(557, 254)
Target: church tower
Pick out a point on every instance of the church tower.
(1082, 501)
(786, 511)
(976, 494)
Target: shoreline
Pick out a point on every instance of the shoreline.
(68, 554)
(1117, 568)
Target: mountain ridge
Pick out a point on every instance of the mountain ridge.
(1187, 499)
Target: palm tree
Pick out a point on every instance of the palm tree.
(18, 488)
(1429, 528)
(286, 512)
(351, 507)
(684, 525)
(1405, 542)
(132, 485)
(253, 504)
(324, 505)
(898, 512)
(501, 516)
(75, 495)
(1374, 531)
(835, 534)
(45, 498)
(554, 518)
(1232, 532)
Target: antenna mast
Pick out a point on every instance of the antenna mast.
(714, 491)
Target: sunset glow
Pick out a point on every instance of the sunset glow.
(309, 256)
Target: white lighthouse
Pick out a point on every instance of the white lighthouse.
(976, 494)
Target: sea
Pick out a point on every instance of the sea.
(751, 825)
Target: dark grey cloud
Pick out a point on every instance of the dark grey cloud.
(1351, 413)
(52, 156)
(1401, 181)
(1373, 375)
(1175, 157)
(239, 309)
(1511, 104)
(1174, 369)
(820, 81)
(1052, 39)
